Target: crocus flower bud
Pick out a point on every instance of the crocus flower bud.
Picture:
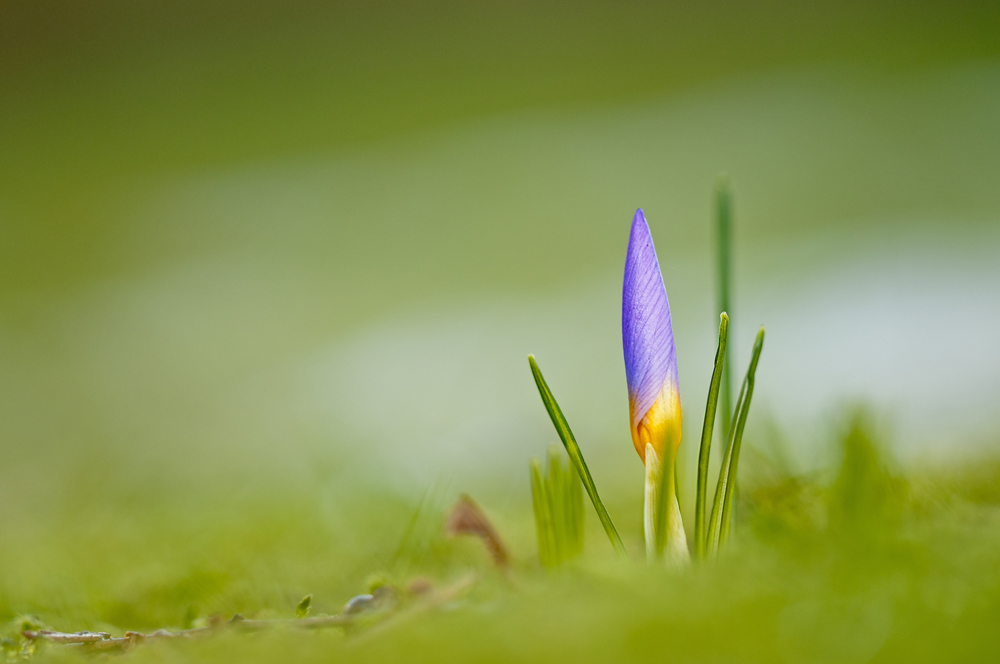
(648, 341)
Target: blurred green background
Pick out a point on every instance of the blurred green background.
(269, 270)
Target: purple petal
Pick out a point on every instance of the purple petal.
(647, 336)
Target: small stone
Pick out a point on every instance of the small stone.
(358, 604)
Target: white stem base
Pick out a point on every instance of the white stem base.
(675, 550)
(651, 501)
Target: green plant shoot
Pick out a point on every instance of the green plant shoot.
(724, 232)
(575, 455)
(557, 499)
(726, 487)
(704, 452)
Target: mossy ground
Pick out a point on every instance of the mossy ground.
(852, 565)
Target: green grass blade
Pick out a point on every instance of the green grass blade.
(704, 452)
(715, 520)
(543, 516)
(724, 231)
(574, 497)
(557, 502)
(741, 420)
(566, 435)
(568, 505)
(423, 529)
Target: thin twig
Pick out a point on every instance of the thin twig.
(104, 641)
(60, 637)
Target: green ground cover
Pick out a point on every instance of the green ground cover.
(853, 563)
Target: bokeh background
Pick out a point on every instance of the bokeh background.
(257, 257)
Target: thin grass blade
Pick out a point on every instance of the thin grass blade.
(715, 520)
(424, 527)
(727, 507)
(568, 506)
(723, 236)
(557, 502)
(704, 453)
(543, 516)
(575, 455)
(574, 499)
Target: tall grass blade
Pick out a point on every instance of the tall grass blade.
(723, 235)
(715, 520)
(575, 455)
(725, 490)
(727, 507)
(704, 452)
